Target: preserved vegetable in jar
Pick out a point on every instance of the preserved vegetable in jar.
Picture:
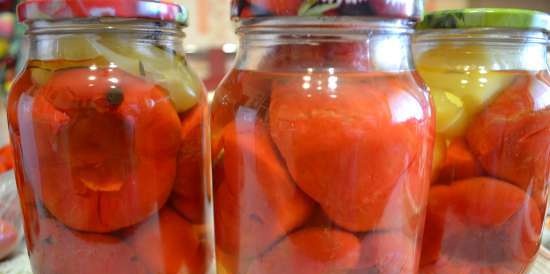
(322, 138)
(490, 84)
(110, 133)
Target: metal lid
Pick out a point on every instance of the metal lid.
(486, 18)
(163, 10)
(403, 9)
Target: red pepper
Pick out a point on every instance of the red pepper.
(448, 266)
(188, 196)
(58, 250)
(401, 208)
(6, 158)
(241, 88)
(511, 137)
(460, 163)
(310, 251)
(167, 244)
(387, 253)
(341, 145)
(257, 201)
(102, 146)
(480, 223)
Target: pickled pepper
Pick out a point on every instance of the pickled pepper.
(110, 136)
(481, 220)
(261, 202)
(167, 244)
(325, 139)
(61, 251)
(310, 251)
(102, 193)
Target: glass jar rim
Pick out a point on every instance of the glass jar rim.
(340, 24)
(482, 34)
(104, 24)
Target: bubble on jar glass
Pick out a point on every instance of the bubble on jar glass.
(106, 193)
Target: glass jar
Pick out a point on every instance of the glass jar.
(491, 90)
(10, 44)
(109, 127)
(322, 139)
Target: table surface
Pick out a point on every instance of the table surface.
(19, 264)
(542, 265)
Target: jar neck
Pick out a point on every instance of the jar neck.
(336, 43)
(510, 49)
(44, 35)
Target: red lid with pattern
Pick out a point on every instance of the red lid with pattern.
(164, 10)
(405, 9)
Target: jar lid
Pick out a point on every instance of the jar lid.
(164, 10)
(486, 18)
(404, 9)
